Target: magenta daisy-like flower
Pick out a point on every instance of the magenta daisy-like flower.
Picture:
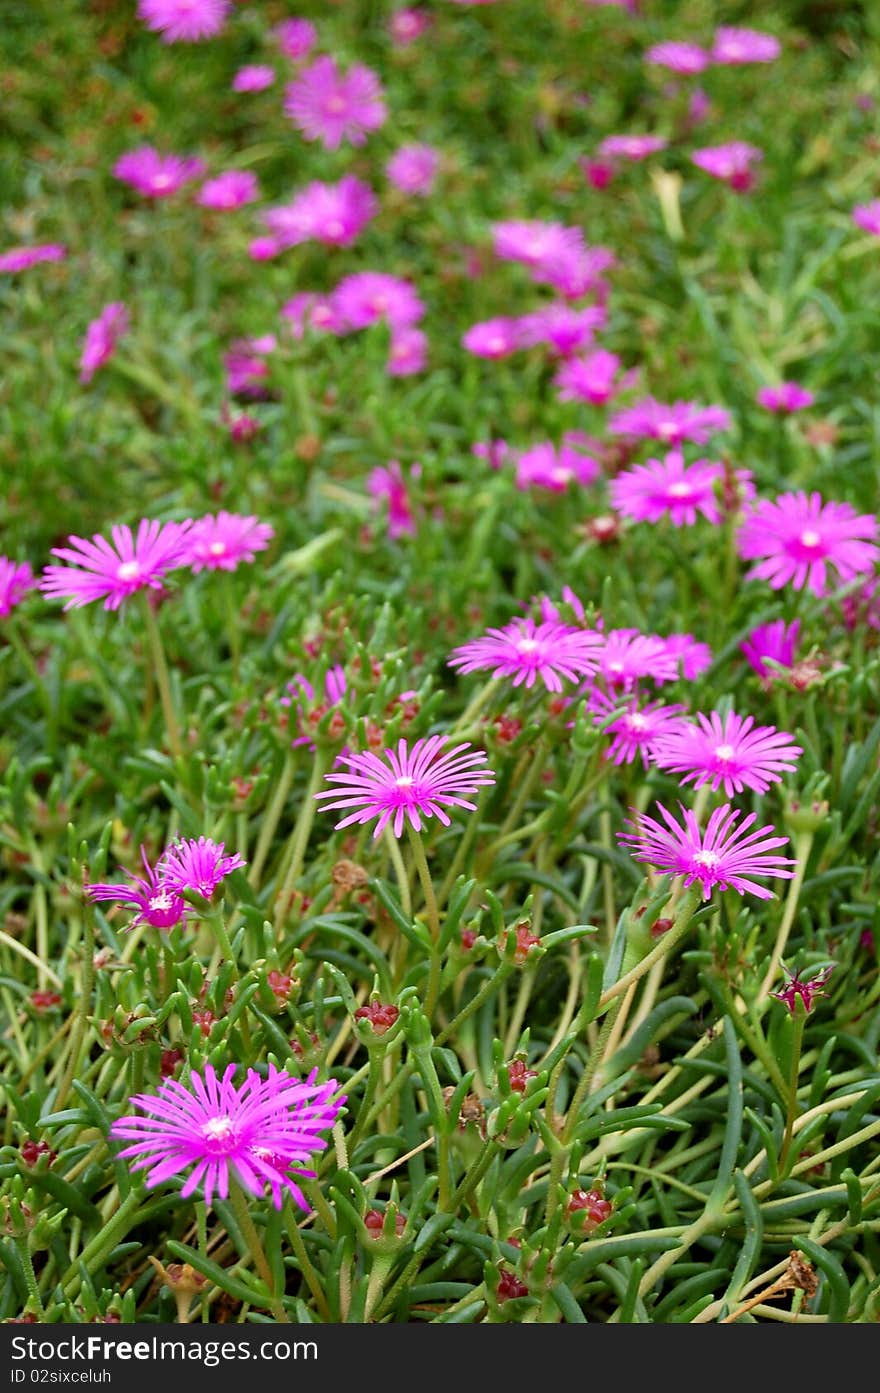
(365, 297)
(221, 543)
(255, 1133)
(635, 732)
(732, 162)
(407, 351)
(727, 854)
(295, 37)
(695, 657)
(23, 258)
(798, 540)
(407, 784)
(102, 336)
(526, 651)
(330, 106)
(387, 487)
(197, 865)
(735, 46)
(413, 169)
(867, 217)
(787, 397)
(334, 214)
(561, 327)
(156, 904)
(184, 21)
(301, 696)
(776, 641)
(16, 579)
(306, 310)
(672, 422)
(231, 189)
(114, 571)
(533, 242)
(628, 657)
(407, 25)
(155, 175)
(669, 488)
(493, 338)
(679, 57)
(555, 467)
(728, 752)
(590, 379)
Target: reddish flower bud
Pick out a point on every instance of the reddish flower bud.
(44, 1000)
(519, 1075)
(509, 1286)
(381, 1017)
(31, 1151)
(169, 1060)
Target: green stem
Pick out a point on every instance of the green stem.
(800, 1018)
(299, 838)
(34, 1297)
(480, 699)
(684, 914)
(585, 1082)
(306, 1267)
(421, 864)
(84, 1006)
(270, 820)
(399, 870)
(163, 682)
(240, 1205)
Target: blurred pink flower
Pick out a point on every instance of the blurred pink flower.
(253, 77)
(330, 106)
(334, 214)
(16, 579)
(777, 641)
(867, 217)
(184, 21)
(23, 258)
(408, 352)
(231, 189)
(735, 46)
(246, 366)
(797, 539)
(413, 169)
(787, 397)
(679, 57)
(387, 486)
(672, 422)
(295, 37)
(222, 542)
(589, 379)
(733, 163)
(632, 147)
(649, 492)
(365, 297)
(155, 175)
(554, 467)
(310, 311)
(102, 336)
(560, 327)
(408, 25)
(493, 338)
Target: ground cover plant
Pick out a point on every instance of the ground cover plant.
(439, 662)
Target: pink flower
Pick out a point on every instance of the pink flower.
(407, 352)
(300, 692)
(253, 77)
(776, 641)
(679, 57)
(796, 538)
(413, 169)
(734, 46)
(589, 379)
(660, 488)
(155, 175)
(534, 243)
(246, 366)
(788, 396)
(729, 752)
(632, 147)
(334, 214)
(493, 338)
(295, 37)
(241, 426)
(867, 217)
(795, 990)
(113, 573)
(184, 21)
(265, 248)
(561, 327)
(155, 903)
(102, 336)
(637, 730)
(23, 258)
(231, 189)
(196, 865)
(694, 657)
(221, 543)
(525, 651)
(494, 452)
(386, 485)
(731, 162)
(255, 1133)
(365, 297)
(330, 106)
(16, 579)
(407, 784)
(408, 25)
(726, 854)
(310, 311)
(598, 173)
(627, 657)
(551, 467)
(672, 423)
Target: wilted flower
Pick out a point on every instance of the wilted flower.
(727, 854)
(407, 784)
(330, 106)
(255, 1133)
(102, 336)
(184, 21)
(795, 989)
(113, 573)
(16, 579)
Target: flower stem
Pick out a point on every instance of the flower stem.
(157, 654)
(33, 1290)
(299, 839)
(683, 915)
(802, 849)
(255, 1246)
(270, 820)
(800, 1018)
